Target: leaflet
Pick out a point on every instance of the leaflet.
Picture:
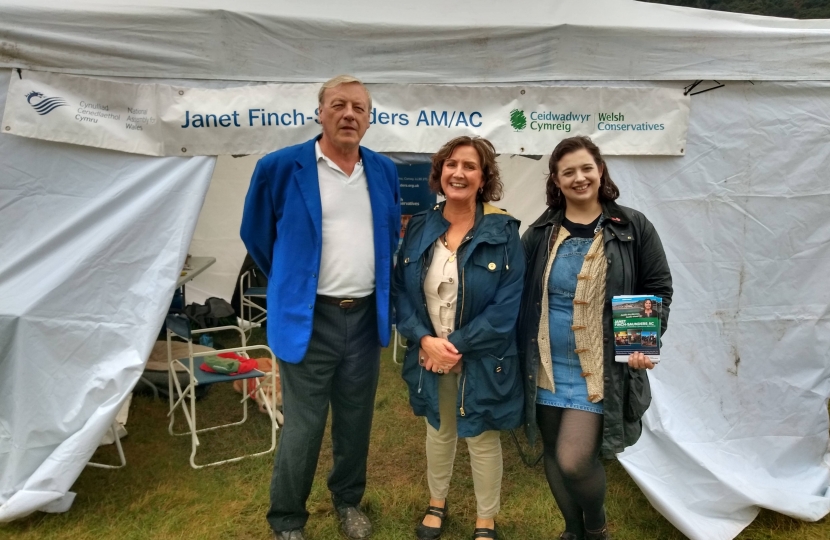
(637, 326)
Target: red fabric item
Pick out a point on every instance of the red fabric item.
(246, 365)
(231, 356)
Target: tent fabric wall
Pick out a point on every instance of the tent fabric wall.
(739, 418)
(404, 42)
(92, 244)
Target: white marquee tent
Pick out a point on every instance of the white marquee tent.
(92, 240)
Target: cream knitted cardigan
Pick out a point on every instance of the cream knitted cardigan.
(589, 302)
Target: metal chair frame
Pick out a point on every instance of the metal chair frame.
(187, 397)
(114, 429)
(256, 313)
(396, 342)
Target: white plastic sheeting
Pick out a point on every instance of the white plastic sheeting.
(739, 418)
(91, 245)
(402, 41)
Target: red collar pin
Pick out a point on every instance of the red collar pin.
(615, 219)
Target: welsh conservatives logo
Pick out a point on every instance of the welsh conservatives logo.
(518, 119)
(45, 105)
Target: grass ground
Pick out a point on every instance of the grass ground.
(157, 495)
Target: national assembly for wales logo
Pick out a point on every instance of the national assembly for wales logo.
(518, 119)
(42, 104)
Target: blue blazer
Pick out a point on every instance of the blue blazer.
(282, 228)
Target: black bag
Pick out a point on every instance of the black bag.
(215, 312)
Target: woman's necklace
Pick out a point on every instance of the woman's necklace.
(447, 244)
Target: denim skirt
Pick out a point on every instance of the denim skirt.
(571, 389)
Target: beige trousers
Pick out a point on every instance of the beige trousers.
(485, 454)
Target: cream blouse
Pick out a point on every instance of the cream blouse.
(441, 289)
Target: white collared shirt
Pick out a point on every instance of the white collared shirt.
(347, 263)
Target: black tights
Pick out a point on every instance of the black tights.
(572, 440)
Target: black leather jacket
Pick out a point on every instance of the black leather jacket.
(636, 265)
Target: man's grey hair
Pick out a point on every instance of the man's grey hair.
(337, 81)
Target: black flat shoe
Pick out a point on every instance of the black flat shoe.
(484, 532)
(422, 532)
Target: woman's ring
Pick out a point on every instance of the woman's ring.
(440, 371)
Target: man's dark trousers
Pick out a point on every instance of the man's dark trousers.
(341, 368)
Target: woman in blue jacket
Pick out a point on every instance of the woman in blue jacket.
(457, 289)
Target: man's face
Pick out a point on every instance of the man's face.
(344, 115)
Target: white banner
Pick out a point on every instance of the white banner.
(164, 120)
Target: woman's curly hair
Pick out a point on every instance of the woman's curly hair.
(492, 189)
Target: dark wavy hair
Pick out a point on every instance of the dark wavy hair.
(608, 190)
(493, 189)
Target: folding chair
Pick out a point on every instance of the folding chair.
(114, 429)
(256, 313)
(179, 325)
(396, 342)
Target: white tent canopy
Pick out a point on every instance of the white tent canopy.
(408, 42)
(92, 241)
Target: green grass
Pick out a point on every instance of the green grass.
(157, 495)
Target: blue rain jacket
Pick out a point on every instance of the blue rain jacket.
(491, 267)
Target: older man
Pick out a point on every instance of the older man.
(322, 219)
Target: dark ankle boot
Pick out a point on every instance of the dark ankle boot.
(601, 534)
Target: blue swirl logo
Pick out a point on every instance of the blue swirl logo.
(44, 105)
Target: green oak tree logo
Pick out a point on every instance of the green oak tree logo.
(518, 120)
